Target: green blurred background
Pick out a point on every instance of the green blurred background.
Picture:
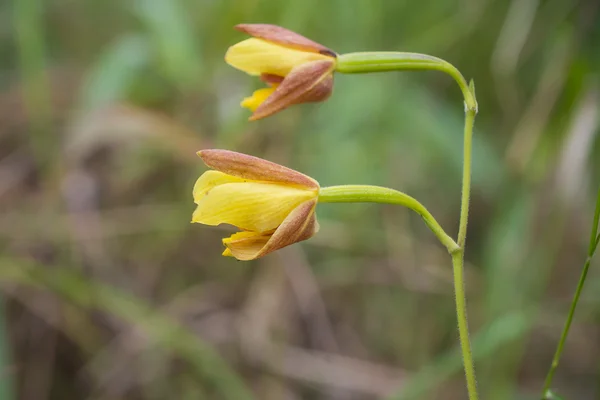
(108, 292)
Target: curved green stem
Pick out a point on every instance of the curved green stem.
(594, 237)
(355, 63)
(377, 194)
(382, 61)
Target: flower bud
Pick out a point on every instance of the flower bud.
(274, 206)
(297, 69)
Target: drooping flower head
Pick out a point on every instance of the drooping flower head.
(272, 205)
(297, 69)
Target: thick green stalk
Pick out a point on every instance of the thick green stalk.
(546, 393)
(458, 259)
(376, 194)
(463, 325)
(354, 63)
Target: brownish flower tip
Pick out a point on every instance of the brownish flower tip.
(254, 168)
(284, 37)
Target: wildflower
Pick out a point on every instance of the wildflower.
(272, 205)
(296, 69)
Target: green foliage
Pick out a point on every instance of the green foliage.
(103, 105)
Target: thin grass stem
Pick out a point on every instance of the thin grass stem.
(594, 238)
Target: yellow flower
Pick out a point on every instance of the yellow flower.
(272, 205)
(297, 69)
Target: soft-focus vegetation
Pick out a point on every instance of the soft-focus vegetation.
(110, 293)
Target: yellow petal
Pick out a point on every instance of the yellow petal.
(299, 225)
(252, 206)
(257, 98)
(209, 180)
(256, 56)
(245, 245)
(240, 236)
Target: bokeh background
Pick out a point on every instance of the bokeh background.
(108, 292)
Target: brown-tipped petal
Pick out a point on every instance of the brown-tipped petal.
(300, 224)
(254, 168)
(308, 82)
(284, 37)
(271, 79)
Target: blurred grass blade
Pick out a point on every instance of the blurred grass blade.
(111, 77)
(6, 365)
(158, 327)
(28, 25)
(595, 236)
(173, 36)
